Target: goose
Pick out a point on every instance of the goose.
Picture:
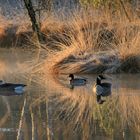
(77, 81)
(11, 88)
(101, 89)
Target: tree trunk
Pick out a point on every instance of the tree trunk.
(32, 15)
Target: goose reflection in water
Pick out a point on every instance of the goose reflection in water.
(101, 89)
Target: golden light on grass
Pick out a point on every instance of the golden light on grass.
(2, 32)
(3, 24)
(92, 35)
(84, 42)
(84, 37)
(83, 34)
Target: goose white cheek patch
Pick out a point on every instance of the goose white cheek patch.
(19, 90)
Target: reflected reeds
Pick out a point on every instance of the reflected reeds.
(54, 111)
(6, 115)
(79, 112)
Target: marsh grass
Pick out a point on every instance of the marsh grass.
(78, 111)
(15, 31)
(85, 42)
(90, 42)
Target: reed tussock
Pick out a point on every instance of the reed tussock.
(15, 31)
(85, 41)
(99, 44)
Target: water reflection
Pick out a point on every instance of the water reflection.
(82, 116)
(54, 111)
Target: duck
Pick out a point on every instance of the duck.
(101, 89)
(8, 89)
(77, 81)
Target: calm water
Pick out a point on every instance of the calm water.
(49, 109)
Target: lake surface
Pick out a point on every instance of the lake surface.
(50, 109)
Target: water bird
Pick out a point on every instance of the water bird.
(101, 89)
(8, 89)
(77, 81)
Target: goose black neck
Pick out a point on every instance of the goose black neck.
(98, 81)
(72, 76)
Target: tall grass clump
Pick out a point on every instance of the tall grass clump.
(89, 41)
(83, 41)
(15, 31)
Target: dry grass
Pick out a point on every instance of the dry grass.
(76, 113)
(86, 41)
(15, 32)
(98, 43)
(3, 24)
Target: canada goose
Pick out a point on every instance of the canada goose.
(8, 89)
(101, 89)
(77, 81)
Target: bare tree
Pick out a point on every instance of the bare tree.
(32, 15)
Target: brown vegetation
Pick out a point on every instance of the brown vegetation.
(87, 42)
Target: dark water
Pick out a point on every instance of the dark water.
(53, 111)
